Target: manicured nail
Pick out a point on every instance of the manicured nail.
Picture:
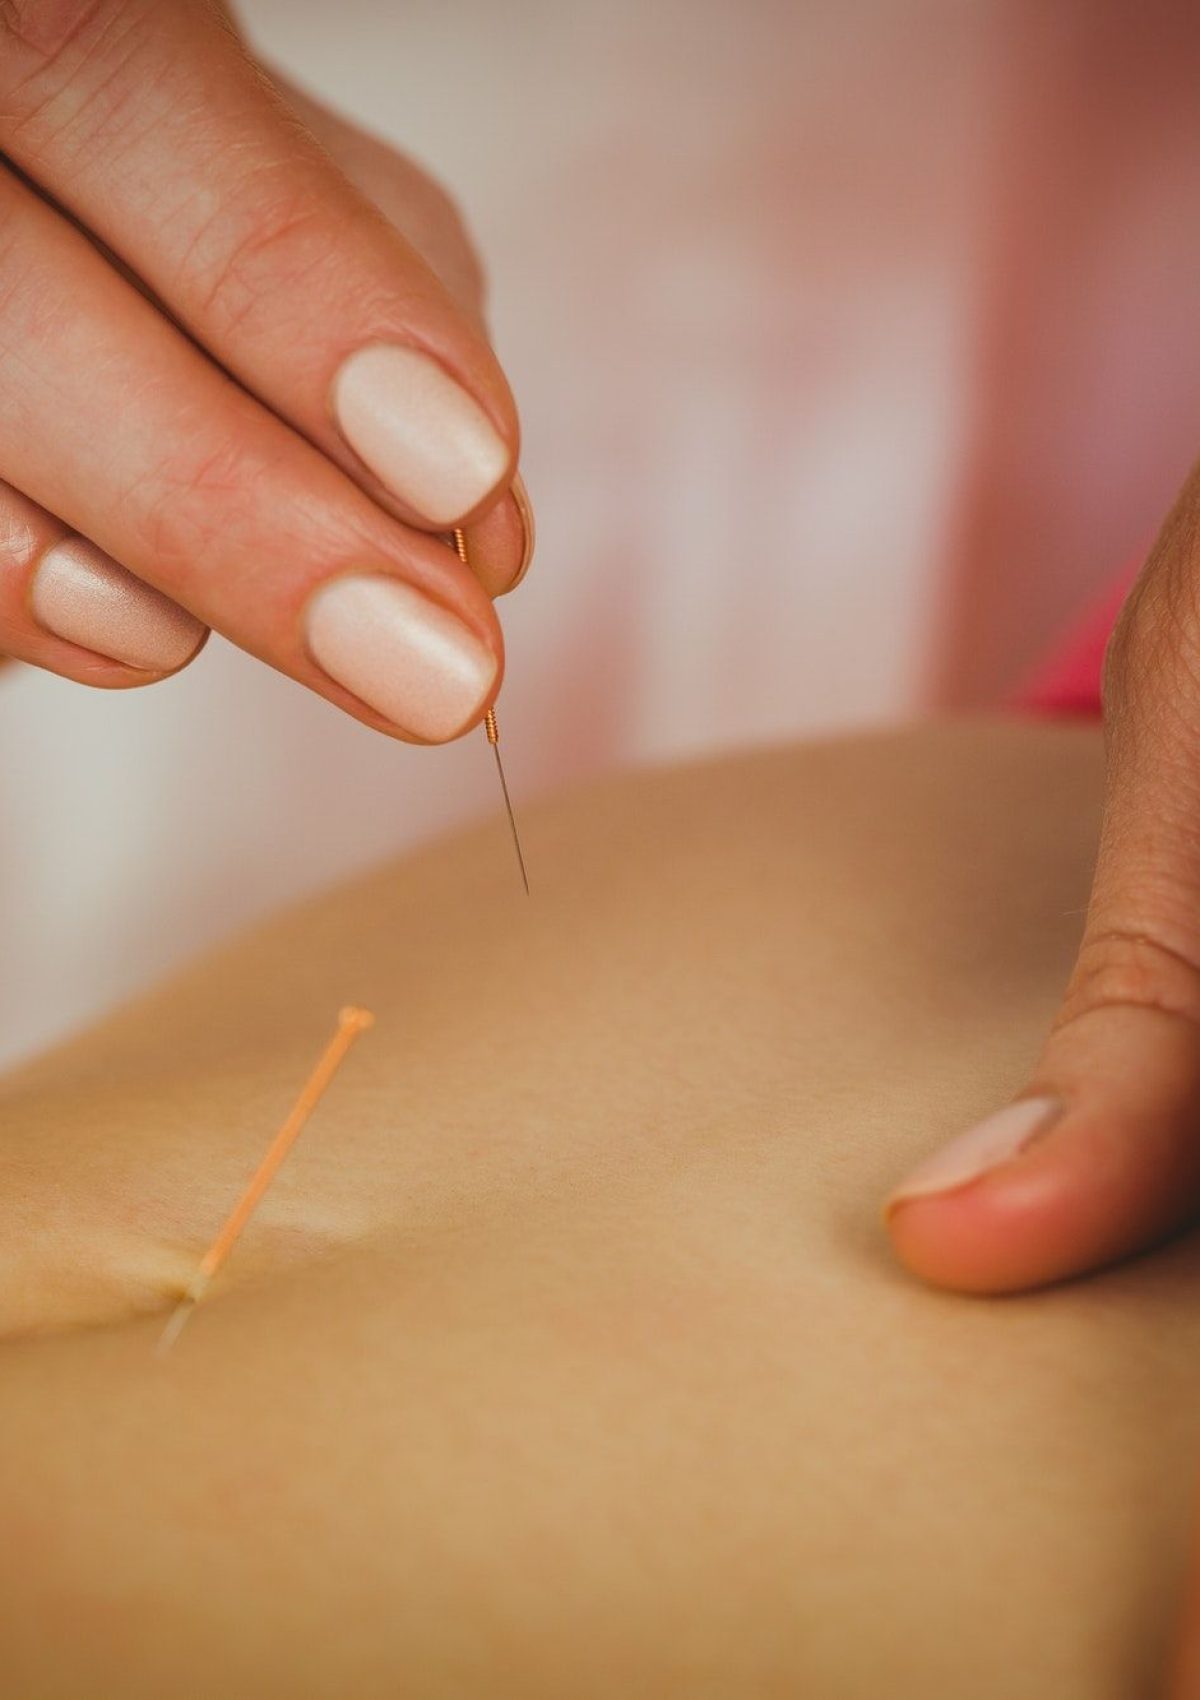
(418, 430)
(525, 509)
(411, 660)
(997, 1139)
(81, 594)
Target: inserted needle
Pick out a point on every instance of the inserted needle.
(493, 738)
(351, 1022)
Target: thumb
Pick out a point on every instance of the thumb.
(1099, 1156)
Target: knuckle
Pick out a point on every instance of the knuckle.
(1133, 968)
(70, 73)
(262, 242)
(42, 37)
(42, 28)
(184, 502)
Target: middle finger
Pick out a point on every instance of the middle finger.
(112, 419)
(154, 128)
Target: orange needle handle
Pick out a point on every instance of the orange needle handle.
(351, 1022)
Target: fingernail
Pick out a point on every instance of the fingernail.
(525, 509)
(411, 660)
(82, 594)
(995, 1140)
(418, 430)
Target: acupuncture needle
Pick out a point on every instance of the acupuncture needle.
(351, 1022)
(493, 738)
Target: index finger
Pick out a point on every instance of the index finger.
(147, 120)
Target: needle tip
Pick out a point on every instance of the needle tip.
(176, 1323)
(512, 819)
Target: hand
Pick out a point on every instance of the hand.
(1099, 1156)
(239, 391)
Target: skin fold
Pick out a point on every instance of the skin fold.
(568, 1355)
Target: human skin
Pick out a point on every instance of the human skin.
(567, 1355)
(1097, 1156)
(244, 366)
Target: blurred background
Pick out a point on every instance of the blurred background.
(856, 347)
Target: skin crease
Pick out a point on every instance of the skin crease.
(254, 510)
(567, 1355)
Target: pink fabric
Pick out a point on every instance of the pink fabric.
(1069, 682)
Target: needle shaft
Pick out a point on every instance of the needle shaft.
(493, 738)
